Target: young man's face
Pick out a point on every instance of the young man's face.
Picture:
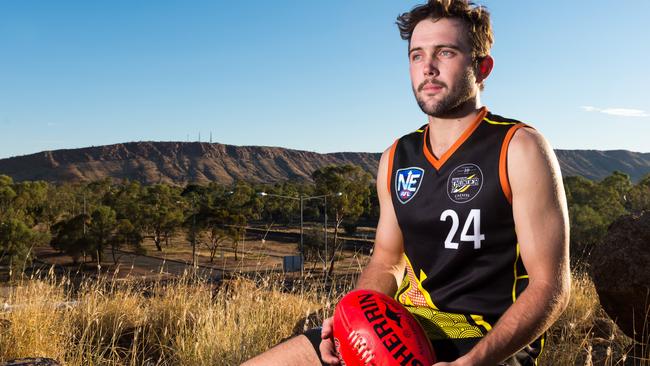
(441, 67)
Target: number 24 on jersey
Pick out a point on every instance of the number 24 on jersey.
(473, 219)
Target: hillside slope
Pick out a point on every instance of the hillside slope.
(182, 162)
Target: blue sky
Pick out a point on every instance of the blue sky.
(323, 76)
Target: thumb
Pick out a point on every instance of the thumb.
(327, 330)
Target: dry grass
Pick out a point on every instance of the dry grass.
(192, 322)
(584, 335)
(185, 322)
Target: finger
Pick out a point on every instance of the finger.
(328, 353)
(326, 330)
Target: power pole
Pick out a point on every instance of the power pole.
(84, 214)
(326, 253)
(302, 253)
(194, 231)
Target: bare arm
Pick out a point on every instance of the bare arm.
(386, 267)
(541, 223)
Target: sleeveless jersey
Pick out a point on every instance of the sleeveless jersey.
(463, 268)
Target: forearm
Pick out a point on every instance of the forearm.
(380, 277)
(536, 309)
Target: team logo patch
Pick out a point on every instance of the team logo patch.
(407, 183)
(464, 183)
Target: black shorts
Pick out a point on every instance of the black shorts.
(448, 350)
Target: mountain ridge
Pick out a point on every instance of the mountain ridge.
(175, 162)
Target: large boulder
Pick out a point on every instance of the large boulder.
(620, 268)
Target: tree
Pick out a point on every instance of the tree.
(60, 202)
(243, 200)
(127, 202)
(126, 234)
(69, 236)
(215, 225)
(593, 206)
(371, 208)
(638, 198)
(126, 199)
(242, 204)
(353, 182)
(7, 194)
(100, 233)
(19, 204)
(162, 212)
(216, 222)
(313, 246)
(30, 199)
(619, 183)
(281, 210)
(17, 241)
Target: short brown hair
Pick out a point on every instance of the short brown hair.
(475, 16)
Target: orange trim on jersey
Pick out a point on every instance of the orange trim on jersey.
(391, 155)
(437, 163)
(503, 161)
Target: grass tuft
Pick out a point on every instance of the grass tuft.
(190, 321)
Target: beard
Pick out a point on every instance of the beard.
(461, 93)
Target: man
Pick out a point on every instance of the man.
(473, 229)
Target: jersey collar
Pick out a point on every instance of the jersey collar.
(438, 163)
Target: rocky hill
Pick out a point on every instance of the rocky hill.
(177, 163)
(597, 164)
(181, 162)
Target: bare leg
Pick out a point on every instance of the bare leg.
(297, 351)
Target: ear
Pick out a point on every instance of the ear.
(484, 68)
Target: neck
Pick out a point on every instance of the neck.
(445, 130)
(465, 112)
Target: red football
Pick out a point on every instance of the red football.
(371, 328)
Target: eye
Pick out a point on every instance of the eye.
(446, 53)
(416, 57)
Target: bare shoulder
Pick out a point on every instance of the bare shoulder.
(528, 141)
(530, 156)
(385, 156)
(382, 172)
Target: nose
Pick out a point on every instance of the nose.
(430, 67)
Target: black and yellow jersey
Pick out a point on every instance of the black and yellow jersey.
(463, 268)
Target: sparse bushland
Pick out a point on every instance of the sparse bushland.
(184, 322)
(192, 322)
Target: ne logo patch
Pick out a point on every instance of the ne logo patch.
(464, 183)
(407, 183)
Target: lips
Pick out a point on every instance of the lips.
(431, 86)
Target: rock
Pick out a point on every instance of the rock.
(619, 268)
(33, 361)
(605, 328)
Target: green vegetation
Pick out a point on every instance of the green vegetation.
(354, 184)
(84, 219)
(593, 206)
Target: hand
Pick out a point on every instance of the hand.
(327, 351)
(463, 361)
